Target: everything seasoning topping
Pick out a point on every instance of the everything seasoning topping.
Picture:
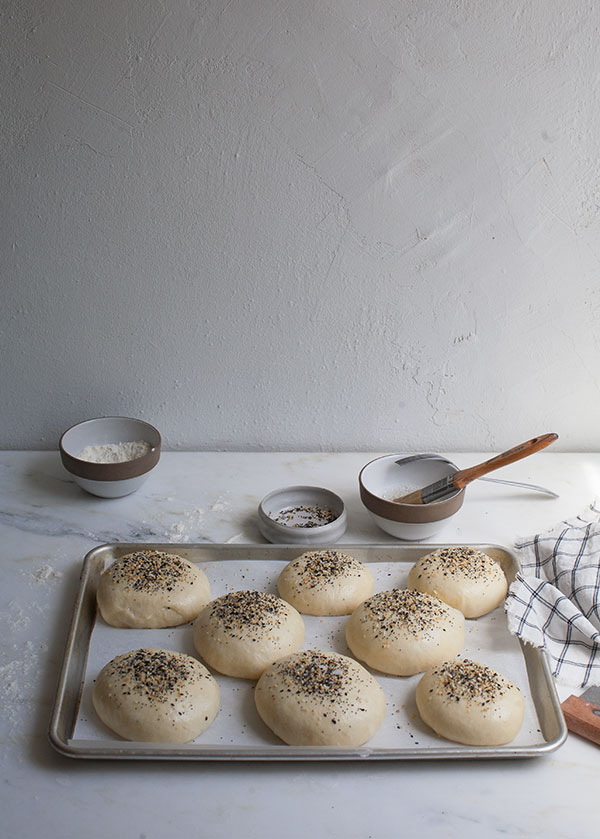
(159, 675)
(150, 571)
(461, 563)
(470, 681)
(318, 567)
(413, 611)
(316, 674)
(254, 610)
(304, 516)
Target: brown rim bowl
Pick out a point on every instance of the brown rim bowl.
(109, 479)
(383, 479)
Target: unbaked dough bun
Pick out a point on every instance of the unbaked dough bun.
(325, 583)
(465, 578)
(156, 695)
(404, 632)
(241, 633)
(152, 589)
(316, 698)
(470, 703)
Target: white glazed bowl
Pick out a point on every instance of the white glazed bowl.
(109, 480)
(383, 479)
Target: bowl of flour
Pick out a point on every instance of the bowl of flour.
(110, 456)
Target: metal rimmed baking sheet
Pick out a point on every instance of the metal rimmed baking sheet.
(238, 733)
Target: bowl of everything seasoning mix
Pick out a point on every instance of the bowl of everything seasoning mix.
(300, 515)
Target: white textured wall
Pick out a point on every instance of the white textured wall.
(302, 225)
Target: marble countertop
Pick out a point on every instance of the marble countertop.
(48, 524)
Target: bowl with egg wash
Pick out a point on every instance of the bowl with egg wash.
(383, 479)
(110, 456)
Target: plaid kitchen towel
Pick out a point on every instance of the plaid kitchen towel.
(554, 603)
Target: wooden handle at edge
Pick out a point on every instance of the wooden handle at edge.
(581, 719)
(465, 476)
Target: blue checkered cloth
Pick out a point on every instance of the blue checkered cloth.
(554, 603)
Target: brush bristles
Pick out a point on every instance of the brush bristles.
(411, 498)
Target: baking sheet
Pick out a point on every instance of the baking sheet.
(238, 732)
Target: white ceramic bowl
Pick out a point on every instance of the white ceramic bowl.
(109, 480)
(383, 479)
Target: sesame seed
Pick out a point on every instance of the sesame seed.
(316, 568)
(240, 611)
(158, 675)
(304, 516)
(150, 571)
(413, 611)
(460, 563)
(325, 678)
(470, 681)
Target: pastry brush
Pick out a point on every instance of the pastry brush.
(451, 483)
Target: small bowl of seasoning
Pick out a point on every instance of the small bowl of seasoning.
(302, 515)
(110, 456)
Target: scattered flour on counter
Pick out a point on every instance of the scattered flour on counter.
(188, 528)
(220, 506)
(18, 680)
(46, 572)
(16, 619)
(21, 661)
(44, 575)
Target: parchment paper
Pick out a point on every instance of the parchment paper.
(238, 724)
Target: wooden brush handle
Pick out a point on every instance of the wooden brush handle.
(465, 476)
(582, 718)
